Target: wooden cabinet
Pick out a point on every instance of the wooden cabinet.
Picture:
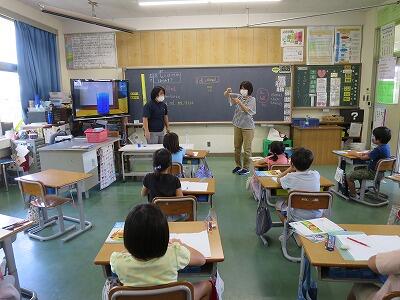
(320, 140)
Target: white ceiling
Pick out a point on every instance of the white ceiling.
(114, 9)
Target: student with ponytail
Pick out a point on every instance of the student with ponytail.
(160, 183)
(276, 156)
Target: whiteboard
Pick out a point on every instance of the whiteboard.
(90, 50)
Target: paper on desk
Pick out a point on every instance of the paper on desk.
(315, 227)
(195, 153)
(256, 158)
(194, 186)
(377, 244)
(198, 241)
(274, 178)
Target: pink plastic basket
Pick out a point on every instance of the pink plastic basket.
(96, 135)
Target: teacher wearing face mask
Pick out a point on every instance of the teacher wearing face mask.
(243, 125)
(155, 117)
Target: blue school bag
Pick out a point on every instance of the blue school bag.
(203, 172)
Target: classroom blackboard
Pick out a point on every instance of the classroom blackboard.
(195, 94)
(327, 86)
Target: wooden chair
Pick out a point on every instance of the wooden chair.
(182, 290)
(306, 201)
(178, 208)
(176, 169)
(281, 168)
(377, 198)
(391, 295)
(38, 198)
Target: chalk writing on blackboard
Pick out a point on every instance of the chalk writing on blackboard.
(206, 80)
(163, 77)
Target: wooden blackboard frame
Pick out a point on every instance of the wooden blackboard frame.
(224, 66)
(325, 107)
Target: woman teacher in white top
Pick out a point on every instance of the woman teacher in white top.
(243, 125)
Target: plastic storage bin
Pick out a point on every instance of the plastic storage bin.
(96, 135)
(267, 143)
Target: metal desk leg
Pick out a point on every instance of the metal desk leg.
(3, 167)
(84, 225)
(12, 268)
(123, 165)
(301, 274)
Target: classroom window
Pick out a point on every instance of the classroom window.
(9, 81)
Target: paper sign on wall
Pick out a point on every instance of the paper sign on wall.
(292, 37)
(320, 45)
(293, 54)
(348, 44)
(387, 40)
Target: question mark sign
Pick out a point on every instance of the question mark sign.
(354, 114)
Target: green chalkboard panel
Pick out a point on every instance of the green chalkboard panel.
(195, 94)
(327, 86)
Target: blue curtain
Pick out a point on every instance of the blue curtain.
(37, 63)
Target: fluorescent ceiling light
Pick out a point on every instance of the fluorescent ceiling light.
(185, 2)
(241, 1)
(173, 2)
(84, 18)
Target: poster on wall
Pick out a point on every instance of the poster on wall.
(90, 50)
(320, 41)
(292, 37)
(293, 54)
(348, 44)
(387, 40)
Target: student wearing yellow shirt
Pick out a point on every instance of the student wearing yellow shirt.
(151, 257)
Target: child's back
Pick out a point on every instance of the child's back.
(162, 270)
(300, 178)
(280, 160)
(171, 143)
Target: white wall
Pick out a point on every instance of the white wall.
(26, 13)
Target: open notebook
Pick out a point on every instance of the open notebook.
(194, 186)
(362, 246)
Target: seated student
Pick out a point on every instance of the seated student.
(384, 263)
(171, 143)
(160, 183)
(151, 257)
(276, 156)
(381, 138)
(299, 177)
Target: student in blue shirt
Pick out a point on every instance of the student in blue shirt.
(171, 143)
(381, 138)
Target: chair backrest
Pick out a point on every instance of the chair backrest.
(178, 208)
(32, 188)
(391, 295)
(173, 291)
(383, 166)
(176, 169)
(310, 201)
(281, 168)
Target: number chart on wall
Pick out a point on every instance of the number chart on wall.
(327, 85)
(195, 94)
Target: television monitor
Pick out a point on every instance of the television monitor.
(94, 99)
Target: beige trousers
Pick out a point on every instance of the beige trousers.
(242, 137)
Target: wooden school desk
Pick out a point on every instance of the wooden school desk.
(210, 188)
(200, 158)
(210, 268)
(322, 259)
(58, 179)
(7, 237)
(395, 178)
(143, 153)
(344, 161)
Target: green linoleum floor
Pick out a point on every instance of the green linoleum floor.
(57, 270)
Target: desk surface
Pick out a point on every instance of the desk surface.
(395, 177)
(268, 183)
(210, 187)
(201, 154)
(217, 254)
(320, 257)
(148, 147)
(340, 153)
(7, 220)
(78, 142)
(56, 178)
